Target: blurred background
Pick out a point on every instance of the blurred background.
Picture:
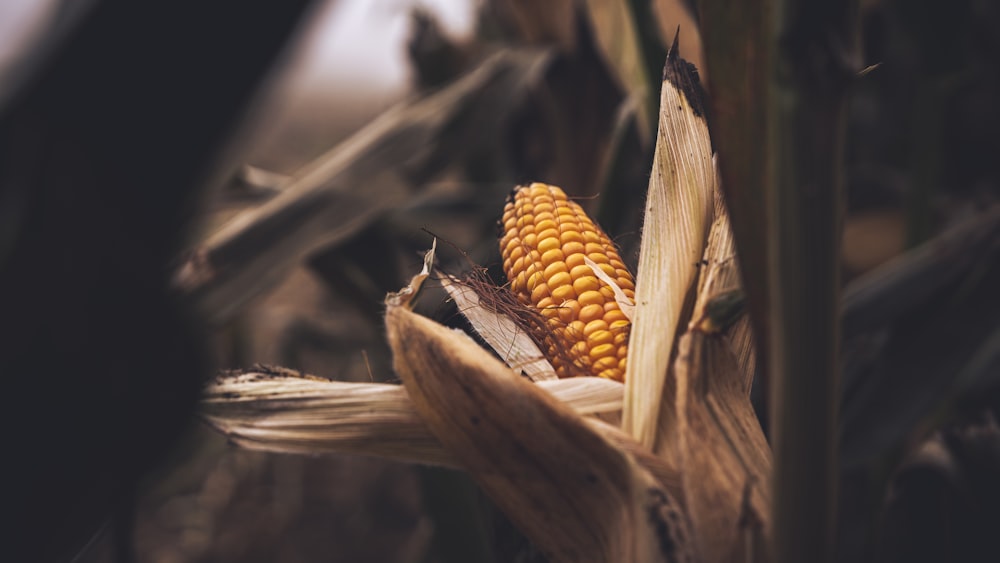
(190, 189)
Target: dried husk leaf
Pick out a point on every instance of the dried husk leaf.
(720, 274)
(716, 438)
(678, 211)
(570, 490)
(514, 345)
(725, 458)
(279, 410)
(322, 205)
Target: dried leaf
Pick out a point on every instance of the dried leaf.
(279, 410)
(570, 490)
(618, 40)
(514, 346)
(725, 458)
(335, 196)
(678, 211)
(719, 282)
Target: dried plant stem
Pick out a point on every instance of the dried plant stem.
(810, 76)
(332, 197)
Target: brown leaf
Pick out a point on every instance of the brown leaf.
(571, 491)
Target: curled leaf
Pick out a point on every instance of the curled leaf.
(575, 494)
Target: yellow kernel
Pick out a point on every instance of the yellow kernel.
(611, 373)
(563, 292)
(618, 325)
(607, 292)
(541, 290)
(593, 326)
(560, 279)
(614, 315)
(620, 340)
(586, 283)
(547, 233)
(591, 298)
(547, 243)
(595, 248)
(535, 278)
(606, 268)
(601, 259)
(590, 235)
(600, 337)
(530, 240)
(603, 363)
(591, 313)
(575, 329)
(555, 268)
(569, 235)
(622, 364)
(554, 255)
(580, 271)
(525, 219)
(574, 260)
(518, 283)
(580, 349)
(545, 303)
(510, 223)
(515, 252)
(567, 314)
(538, 191)
(543, 208)
(546, 223)
(569, 304)
(571, 247)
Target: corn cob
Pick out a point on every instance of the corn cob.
(544, 242)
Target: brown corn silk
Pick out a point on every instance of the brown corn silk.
(546, 242)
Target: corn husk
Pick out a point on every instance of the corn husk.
(514, 346)
(280, 410)
(678, 212)
(724, 456)
(572, 491)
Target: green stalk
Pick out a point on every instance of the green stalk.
(810, 76)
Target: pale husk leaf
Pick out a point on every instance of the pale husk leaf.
(279, 410)
(514, 346)
(721, 273)
(678, 210)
